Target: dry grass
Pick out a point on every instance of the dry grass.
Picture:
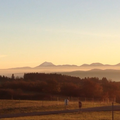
(73, 116)
(20, 106)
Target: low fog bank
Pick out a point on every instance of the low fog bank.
(112, 75)
(82, 72)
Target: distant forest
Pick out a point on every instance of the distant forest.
(44, 86)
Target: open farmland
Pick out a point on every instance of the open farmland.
(73, 116)
(18, 106)
(29, 106)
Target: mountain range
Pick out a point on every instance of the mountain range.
(86, 70)
(50, 64)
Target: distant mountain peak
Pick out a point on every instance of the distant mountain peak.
(93, 64)
(118, 64)
(85, 65)
(96, 64)
(46, 64)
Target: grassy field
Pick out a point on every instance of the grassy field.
(73, 116)
(20, 106)
(24, 106)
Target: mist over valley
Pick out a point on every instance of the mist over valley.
(111, 72)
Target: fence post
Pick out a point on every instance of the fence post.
(112, 110)
(2, 105)
(19, 105)
(42, 103)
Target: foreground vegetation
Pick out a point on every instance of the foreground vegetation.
(26, 106)
(73, 116)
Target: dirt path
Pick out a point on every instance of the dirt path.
(105, 108)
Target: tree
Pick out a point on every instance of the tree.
(91, 89)
(70, 89)
(13, 77)
(52, 87)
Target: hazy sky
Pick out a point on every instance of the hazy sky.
(59, 31)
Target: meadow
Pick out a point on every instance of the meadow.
(25, 106)
(72, 116)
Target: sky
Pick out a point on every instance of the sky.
(59, 31)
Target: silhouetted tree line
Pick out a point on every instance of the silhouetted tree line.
(44, 86)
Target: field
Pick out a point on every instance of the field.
(25, 106)
(73, 116)
(20, 106)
